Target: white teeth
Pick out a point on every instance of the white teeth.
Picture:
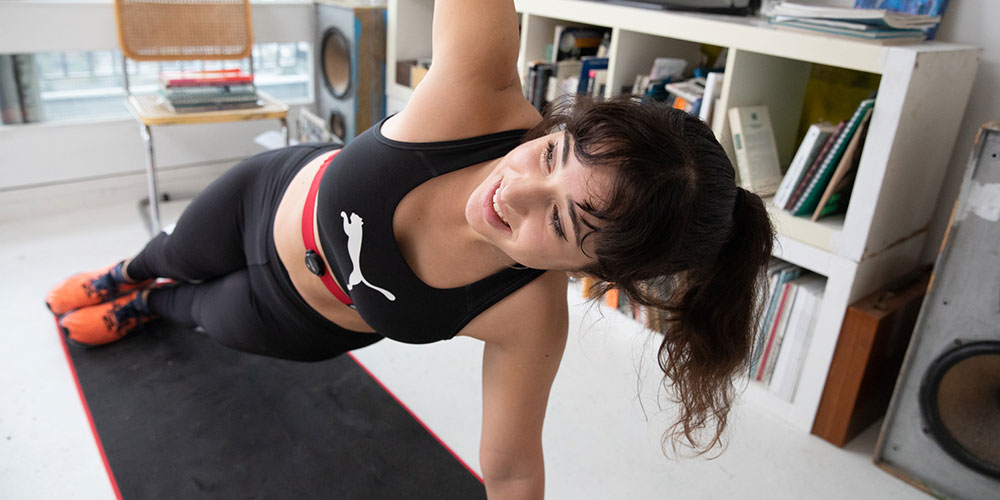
(496, 208)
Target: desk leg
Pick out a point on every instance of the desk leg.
(284, 130)
(154, 190)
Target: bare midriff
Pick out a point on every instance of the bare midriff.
(292, 251)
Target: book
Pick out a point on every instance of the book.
(878, 17)
(848, 162)
(575, 42)
(810, 197)
(10, 98)
(198, 96)
(882, 36)
(691, 89)
(690, 92)
(791, 292)
(202, 108)
(611, 298)
(810, 172)
(587, 64)
(772, 329)
(795, 344)
(827, 23)
(713, 89)
(544, 72)
(667, 68)
(756, 150)
(208, 77)
(779, 272)
(809, 148)
(932, 8)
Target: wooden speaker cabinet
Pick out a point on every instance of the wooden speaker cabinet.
(869, 352)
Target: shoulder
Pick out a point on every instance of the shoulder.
(537, 314)
(441, 113)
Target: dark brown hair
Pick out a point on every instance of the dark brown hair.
(676, 234)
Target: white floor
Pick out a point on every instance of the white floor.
(601, 436)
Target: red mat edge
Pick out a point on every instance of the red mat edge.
(415, 417)
(107, 465)
(86, 409)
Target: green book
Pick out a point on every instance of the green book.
(810, 197)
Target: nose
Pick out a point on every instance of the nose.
(527, 192)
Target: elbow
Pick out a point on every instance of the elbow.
(510, 480)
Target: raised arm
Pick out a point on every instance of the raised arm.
(475, 42)
(472, 86)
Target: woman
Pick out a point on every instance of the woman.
(450, 219)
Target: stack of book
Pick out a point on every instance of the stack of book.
(818, 182)
(875, 25)
(785, 329)
(576, 63)
(213, 90)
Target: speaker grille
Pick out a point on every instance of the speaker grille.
(960, 404)
(336, 60)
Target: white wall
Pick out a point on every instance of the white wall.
(67, 154)
(973, 22)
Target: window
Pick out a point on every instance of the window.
(82, 85)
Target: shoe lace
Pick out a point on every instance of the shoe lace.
(126, 316)
(105, 285)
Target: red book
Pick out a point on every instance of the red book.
(205, 78)
(774, 328)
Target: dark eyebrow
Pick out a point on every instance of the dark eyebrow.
(565, 155)
(569, 201)
(573, 217)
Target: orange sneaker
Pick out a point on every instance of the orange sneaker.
(87, 289)
(107, 322)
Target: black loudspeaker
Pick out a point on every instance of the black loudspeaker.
(942, 430)
(350, 68)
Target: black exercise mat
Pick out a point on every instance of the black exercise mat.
(181, 417)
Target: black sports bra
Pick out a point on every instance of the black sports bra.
(357, 198)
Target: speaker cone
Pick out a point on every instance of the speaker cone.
(960, 403)
(338, 126)
(336, 61)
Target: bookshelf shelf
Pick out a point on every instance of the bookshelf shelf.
(822, 234)
(922, 94)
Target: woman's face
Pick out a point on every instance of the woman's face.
(527, 207)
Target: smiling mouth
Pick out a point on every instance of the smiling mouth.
(496, 207)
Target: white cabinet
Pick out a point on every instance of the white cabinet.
(922, 96)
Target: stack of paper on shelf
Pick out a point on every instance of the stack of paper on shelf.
(212, 90)
(875, 25)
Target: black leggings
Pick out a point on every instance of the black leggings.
(230, 280)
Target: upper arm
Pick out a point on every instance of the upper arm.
(475, 42)
(472, 87)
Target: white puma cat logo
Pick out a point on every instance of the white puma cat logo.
(352, 226)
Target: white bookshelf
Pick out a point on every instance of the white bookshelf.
(922, 96)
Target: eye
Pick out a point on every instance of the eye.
(557, 223)
(548, 154)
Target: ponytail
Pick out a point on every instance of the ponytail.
(709, 334)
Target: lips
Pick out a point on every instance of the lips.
(492, 209)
